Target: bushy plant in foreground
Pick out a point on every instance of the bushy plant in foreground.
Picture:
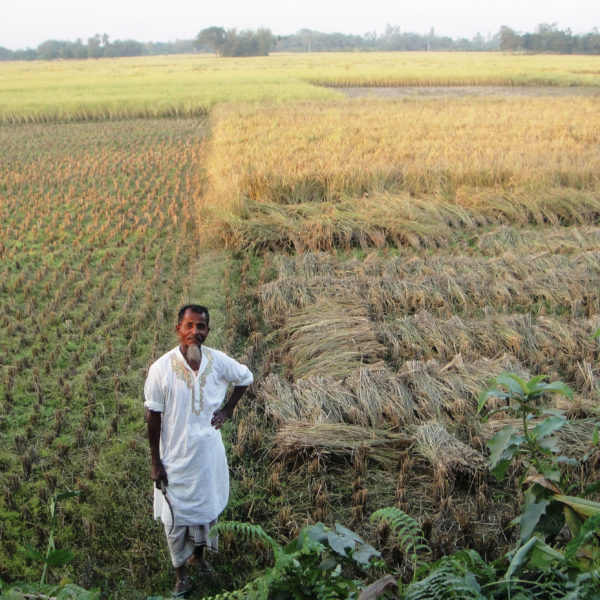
(314, 565)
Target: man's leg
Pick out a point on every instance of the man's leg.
(181, 548)
(182, 582)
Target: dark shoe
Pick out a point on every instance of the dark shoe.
(182, 588)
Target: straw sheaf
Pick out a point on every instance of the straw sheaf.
(564, 240)
(443, 450)
(380, 398)
(444, 284)
(329, 339)
(543, 344)
(339, 440)
(393, 218)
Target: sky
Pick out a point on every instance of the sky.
(27, 23)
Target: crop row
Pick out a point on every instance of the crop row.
(443, 284)
(95, 259)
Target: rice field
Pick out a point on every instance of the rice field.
(376, 261)
(374, 172)
(188, 85)
(94, 225)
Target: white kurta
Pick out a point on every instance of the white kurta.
(191, 449)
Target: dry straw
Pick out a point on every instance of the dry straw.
(380, 398)
(329, 339)
(544, 344)
(338, 440)
(445, 451)
(444, 284)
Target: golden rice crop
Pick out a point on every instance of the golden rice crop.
(518, 160)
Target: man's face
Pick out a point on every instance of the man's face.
(192, 330)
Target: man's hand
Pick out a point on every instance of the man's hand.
(158, 474)
(219, 417)
(224, 414)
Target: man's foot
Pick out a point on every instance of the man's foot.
(200, 563)
(182, 587)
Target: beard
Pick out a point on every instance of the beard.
(193, 353)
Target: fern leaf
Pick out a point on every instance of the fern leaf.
(407, 530)
(250, 531)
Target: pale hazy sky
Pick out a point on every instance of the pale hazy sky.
(27, 23)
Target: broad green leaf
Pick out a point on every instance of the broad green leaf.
(551, 444)
(533, 382)
(595, 437)
(555, 412)
(552, 472)
(503, 440)
(542, 556)
(500, 469)
(329, 562)
(486, 395)
(338, 544)
(558, 387)
(581, 506)
(572, 520)
(519, 558)
(348, 533)
(317, 532)
(587, 531)
(364, 554)
(596, 333)
(514, 383)
(530, 518)
(547, 426)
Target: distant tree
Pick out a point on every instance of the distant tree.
(509, 40)
(234, 43)
(5, 53)
(211, 37)
(94, 49)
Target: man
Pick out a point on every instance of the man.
(183, 393)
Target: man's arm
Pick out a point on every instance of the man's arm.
(224, 413)
(157, 472)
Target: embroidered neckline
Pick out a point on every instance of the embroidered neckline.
(182, 372)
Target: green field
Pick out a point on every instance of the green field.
(375, 261)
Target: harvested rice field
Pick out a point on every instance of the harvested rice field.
(376, 260)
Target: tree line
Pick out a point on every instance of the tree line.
(231, 42)
(548, 38)
(96, 47)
